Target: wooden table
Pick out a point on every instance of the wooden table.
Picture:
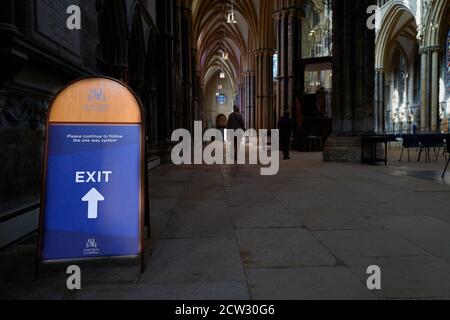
(372, 142)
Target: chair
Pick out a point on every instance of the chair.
(428, 141)
(392, 139)
(314, 143)
(409, 141)
(447, 139)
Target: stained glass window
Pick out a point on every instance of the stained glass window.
(221, 99)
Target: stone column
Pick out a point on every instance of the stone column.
(250, 99)
(7, 15)
(290, 75)
(166, 90)
(115, 40)
(246, 98)
(353, 68)
(435, 121)
(201, 97)
(380, 105)
(241, 90)
(430, 89)
(196, 86)
(264, 88)
(186, 64)
(353, 80)
(424, 76)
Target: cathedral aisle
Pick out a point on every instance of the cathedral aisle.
(225, 232)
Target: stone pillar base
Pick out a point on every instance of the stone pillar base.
(343, 148)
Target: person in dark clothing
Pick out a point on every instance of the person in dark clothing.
(285, 127)
(236, 122)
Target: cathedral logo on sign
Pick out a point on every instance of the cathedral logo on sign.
(91, 247)
(97, 94)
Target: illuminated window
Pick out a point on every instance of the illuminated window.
(221, 99)
(275, 65)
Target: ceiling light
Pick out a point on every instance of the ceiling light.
(231, 18)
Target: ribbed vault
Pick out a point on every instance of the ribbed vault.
(213, 36)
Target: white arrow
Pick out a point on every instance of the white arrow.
(92, 198)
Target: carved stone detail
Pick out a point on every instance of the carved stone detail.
(16, 111)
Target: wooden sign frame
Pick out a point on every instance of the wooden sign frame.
(65, 109)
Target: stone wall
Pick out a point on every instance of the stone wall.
(142, 43)
(21, 139)
(39, 57)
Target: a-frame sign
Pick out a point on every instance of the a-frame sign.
(93, 190)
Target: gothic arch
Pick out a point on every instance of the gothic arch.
(392, 12)
(437, 14)
(265, 30)
(200, 10)
(113, 27)
(151, 87)
(137, 53)
(213, 36)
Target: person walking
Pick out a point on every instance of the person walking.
(285, 127)
(236, 122)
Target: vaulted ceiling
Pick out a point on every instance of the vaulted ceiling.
(212, 35)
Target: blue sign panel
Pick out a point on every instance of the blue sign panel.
(92, 200)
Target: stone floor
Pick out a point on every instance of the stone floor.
(225, 232)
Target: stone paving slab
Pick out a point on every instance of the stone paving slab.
(199, 225)
(367, 243)
(167, 191)
(181, 261)
(217, 207)
(225, 232)
(283, 247)
(426, 232)
(163, 206)
(206, 194)
(407, 277)
(302, 200)
(56, 292)
(312, 283)
(337, 218)
(250, 199)
(187, 291)
(274, 216)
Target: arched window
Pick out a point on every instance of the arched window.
(221, 99)
(400, 76)
(448, 63)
